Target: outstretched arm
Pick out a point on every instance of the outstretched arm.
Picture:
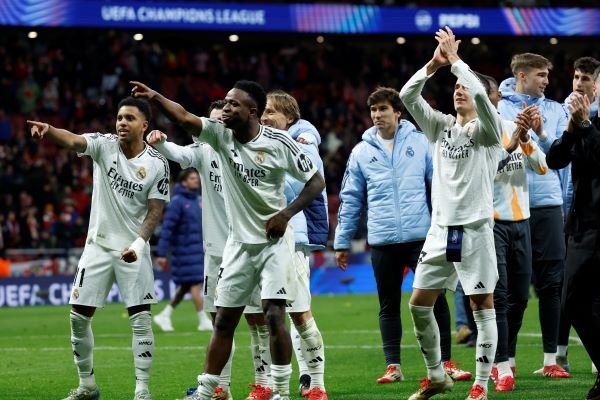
(191, 123)
(182, 155)
(62, 137)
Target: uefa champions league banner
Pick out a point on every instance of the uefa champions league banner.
(313, 18)
(56, 290)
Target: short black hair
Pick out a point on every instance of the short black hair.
(386, 94)
(184, 173)
(485, 81)
(587, 65)
(256, 93)
(490, 80)
(141, 105)
(216, 105)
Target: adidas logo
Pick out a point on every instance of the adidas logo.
(479, 286)
(145, 354)
(260, 369)
(148, 297)
(483, 359)
(423, 254)
(374, 159)
(281, 291)
(288, 305)
(315, 360)
(214, 164)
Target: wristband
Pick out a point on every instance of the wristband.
(137, 246)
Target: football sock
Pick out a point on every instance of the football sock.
(281, 379)
(428, 337)
(487, 340)
(313, 351)
(142, 344)
(549, 359)
(302, 367)
(167, 311)
(562, 351)
(82, 343)
(504, 369)
(206, 385)
(225, 377)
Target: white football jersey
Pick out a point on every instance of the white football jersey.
(215, 225)
(465, 158)
(254, 175)
(122, 188)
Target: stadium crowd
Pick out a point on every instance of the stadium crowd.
(45, 192)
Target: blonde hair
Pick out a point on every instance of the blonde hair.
(285, 104)
(525, 61)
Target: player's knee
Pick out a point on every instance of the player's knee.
(275, 314)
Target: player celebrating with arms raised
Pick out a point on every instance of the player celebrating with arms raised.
(460, 242)
(131, 185)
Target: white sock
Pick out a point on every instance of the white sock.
(487, 341)
(428, 337)
(302, 367)
(549, 359)
(313, 351)
(82, 343)
(562, 351)
(206, 385)
(281, 378)
(513, 362)
(168, 310)
(504, 369)
(260, 357)
(142, 344)
(225, 377)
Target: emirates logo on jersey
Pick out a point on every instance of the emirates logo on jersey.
(141, 173)
(260, 157)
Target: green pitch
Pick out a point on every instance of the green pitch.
(36, 361)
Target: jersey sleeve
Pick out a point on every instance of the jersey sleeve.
(299, 164)
(95, 141)
(212, 131)
(186, 156)
(160, 185)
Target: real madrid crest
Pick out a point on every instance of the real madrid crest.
(260, 157)
(141, 173)
(75, 293)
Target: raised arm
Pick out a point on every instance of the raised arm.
(62, 137)
(182, 155)
(191, 123)
(428, 119)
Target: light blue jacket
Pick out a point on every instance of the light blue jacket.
(311, 227)
(544, 190)
(394, 190)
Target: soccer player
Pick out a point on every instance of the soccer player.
(460, 243)
(580, 146)
(511, 230)
(545, 201)
(260, 245)
(583, 83)
(181, 231)
(311, 229)
(214, 219)
(131, 186)
(389, 173)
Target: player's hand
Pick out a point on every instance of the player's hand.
(128, 255)
(276, 226)
(535, 116)
(38, 129)
(439, 60)
(579, 107)
(162, 262)
(142, 91)
(524, 123)
(156, 136)
(302, 140)
(341, 259)
(448, 44)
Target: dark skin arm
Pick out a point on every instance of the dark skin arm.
(155, 209)
(191, 123)
(62, 137)
(278, 223)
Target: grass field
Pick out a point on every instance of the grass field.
(36, 361)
